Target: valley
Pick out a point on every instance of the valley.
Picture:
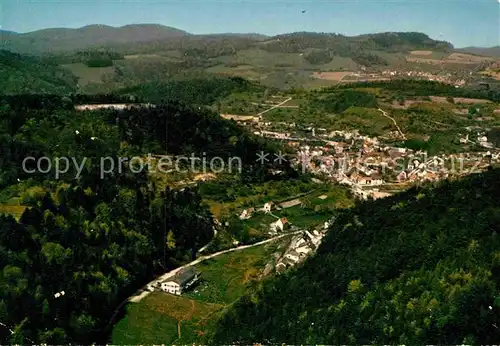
(300, 188)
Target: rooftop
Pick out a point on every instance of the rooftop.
(184, 276)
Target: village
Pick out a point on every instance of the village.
(369, 165)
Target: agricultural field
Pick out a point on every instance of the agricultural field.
(163, 318)
(244, 71)
(440, 58)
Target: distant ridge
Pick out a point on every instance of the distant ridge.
(486, 51)
(152, 36)
(63, 39)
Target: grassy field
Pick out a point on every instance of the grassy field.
(313, 212)
(162, 318)
(225, 278)
(158, 318)
(89, 75)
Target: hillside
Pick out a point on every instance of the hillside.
(421, 267)
(105, 58)
(23, 74)
(99, 237)
(64, 39)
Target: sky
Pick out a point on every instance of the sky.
(461, 22)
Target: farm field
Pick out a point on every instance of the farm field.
(428, 57)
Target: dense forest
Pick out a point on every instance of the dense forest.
(421, 267)
(198, 91)
(97, 238)
(22, 73)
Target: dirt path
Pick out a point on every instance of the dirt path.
(394, 121)
(275, 106)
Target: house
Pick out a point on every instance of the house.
(303, 250)
(300, 242)
(267, 207)
(278, 225)
(181, 281)
(376, 179)
(402, 176)
(280, 267)
(246, 214)
(294, 256)
(373, 180)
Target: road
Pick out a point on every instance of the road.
(341, 79)
(394, 121)
(275, 106)
(140, 295)
(215, 235)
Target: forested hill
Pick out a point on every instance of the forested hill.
(147, 37)
(421, 267)
(22, 73)
(97, 238)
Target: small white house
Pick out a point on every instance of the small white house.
(300, 242)
(294, 256)
(303, 250)
(267, 207)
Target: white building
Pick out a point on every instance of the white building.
(267, 207)
(278, 225)
(180, 282)
(294, 256)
